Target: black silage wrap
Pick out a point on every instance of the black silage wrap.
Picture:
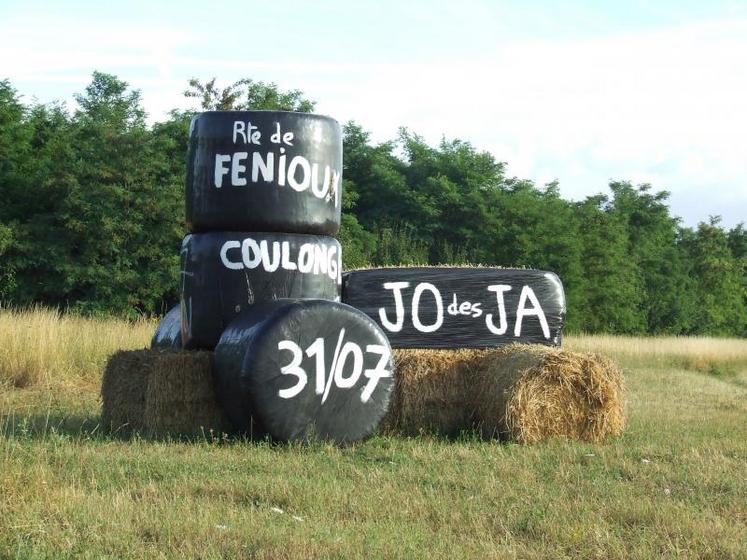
(464, 322)
(213, 294)
(169, 331)
(261, 204)
(256, 346)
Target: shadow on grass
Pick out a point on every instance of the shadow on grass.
(90, 427)
(40, 427)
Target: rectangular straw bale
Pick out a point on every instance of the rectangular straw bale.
(523, 393)
(123, 389)
(180, 398)
(433, 391)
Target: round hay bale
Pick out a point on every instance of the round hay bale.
(225, 272)
(264, 171)
(529, 393)
(305, 370)
(522, 393)
(169, 331)
(123, 388)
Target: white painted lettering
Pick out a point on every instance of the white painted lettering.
(227, 246)
(237, 168)
(220, 169)
(306, 169)
(239, 128)
(281, 168)
(267, 264)
(399, 306)
(266, 167)
(536, 310)
(336, 187)
(275, 138)
(419, 289)
(334, 270)
(499, 290)
(319, 193)
(305, 258)
(320, 259)
(286, 263)
(251, 253)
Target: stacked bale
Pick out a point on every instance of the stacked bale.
(521, 393)
(260, 284)
(261, 279)
(263, 198)
(225, 273)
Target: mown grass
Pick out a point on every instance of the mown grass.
(674, 485)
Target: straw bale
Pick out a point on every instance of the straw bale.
(522, 393)
(433, 391)
(123, 389)
(161, 392)
(530, 393)
(180, 398)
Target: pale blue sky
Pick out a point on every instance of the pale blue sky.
(582, 92)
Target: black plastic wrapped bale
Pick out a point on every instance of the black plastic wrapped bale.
(223, 273)
(305, 370)
(169, 331)
(264, 171)
(446, 307)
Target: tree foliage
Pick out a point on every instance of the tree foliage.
(92, 214)
(247, 95)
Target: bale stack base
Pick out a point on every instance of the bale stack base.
(161, 392)
(521, 393)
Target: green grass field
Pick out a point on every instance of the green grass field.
(674, 485)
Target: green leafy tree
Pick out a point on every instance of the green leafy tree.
(612, 292)
(737, 240)
(14, 146)
(720, 281)
(669, 299)
(32, 196)
(246, 95)
(92, 214)
(120, 219)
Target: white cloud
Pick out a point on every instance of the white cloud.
(666, 107)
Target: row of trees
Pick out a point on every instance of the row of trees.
(91, 217)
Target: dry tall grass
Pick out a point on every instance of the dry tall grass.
(45, 348)
(697, 353)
